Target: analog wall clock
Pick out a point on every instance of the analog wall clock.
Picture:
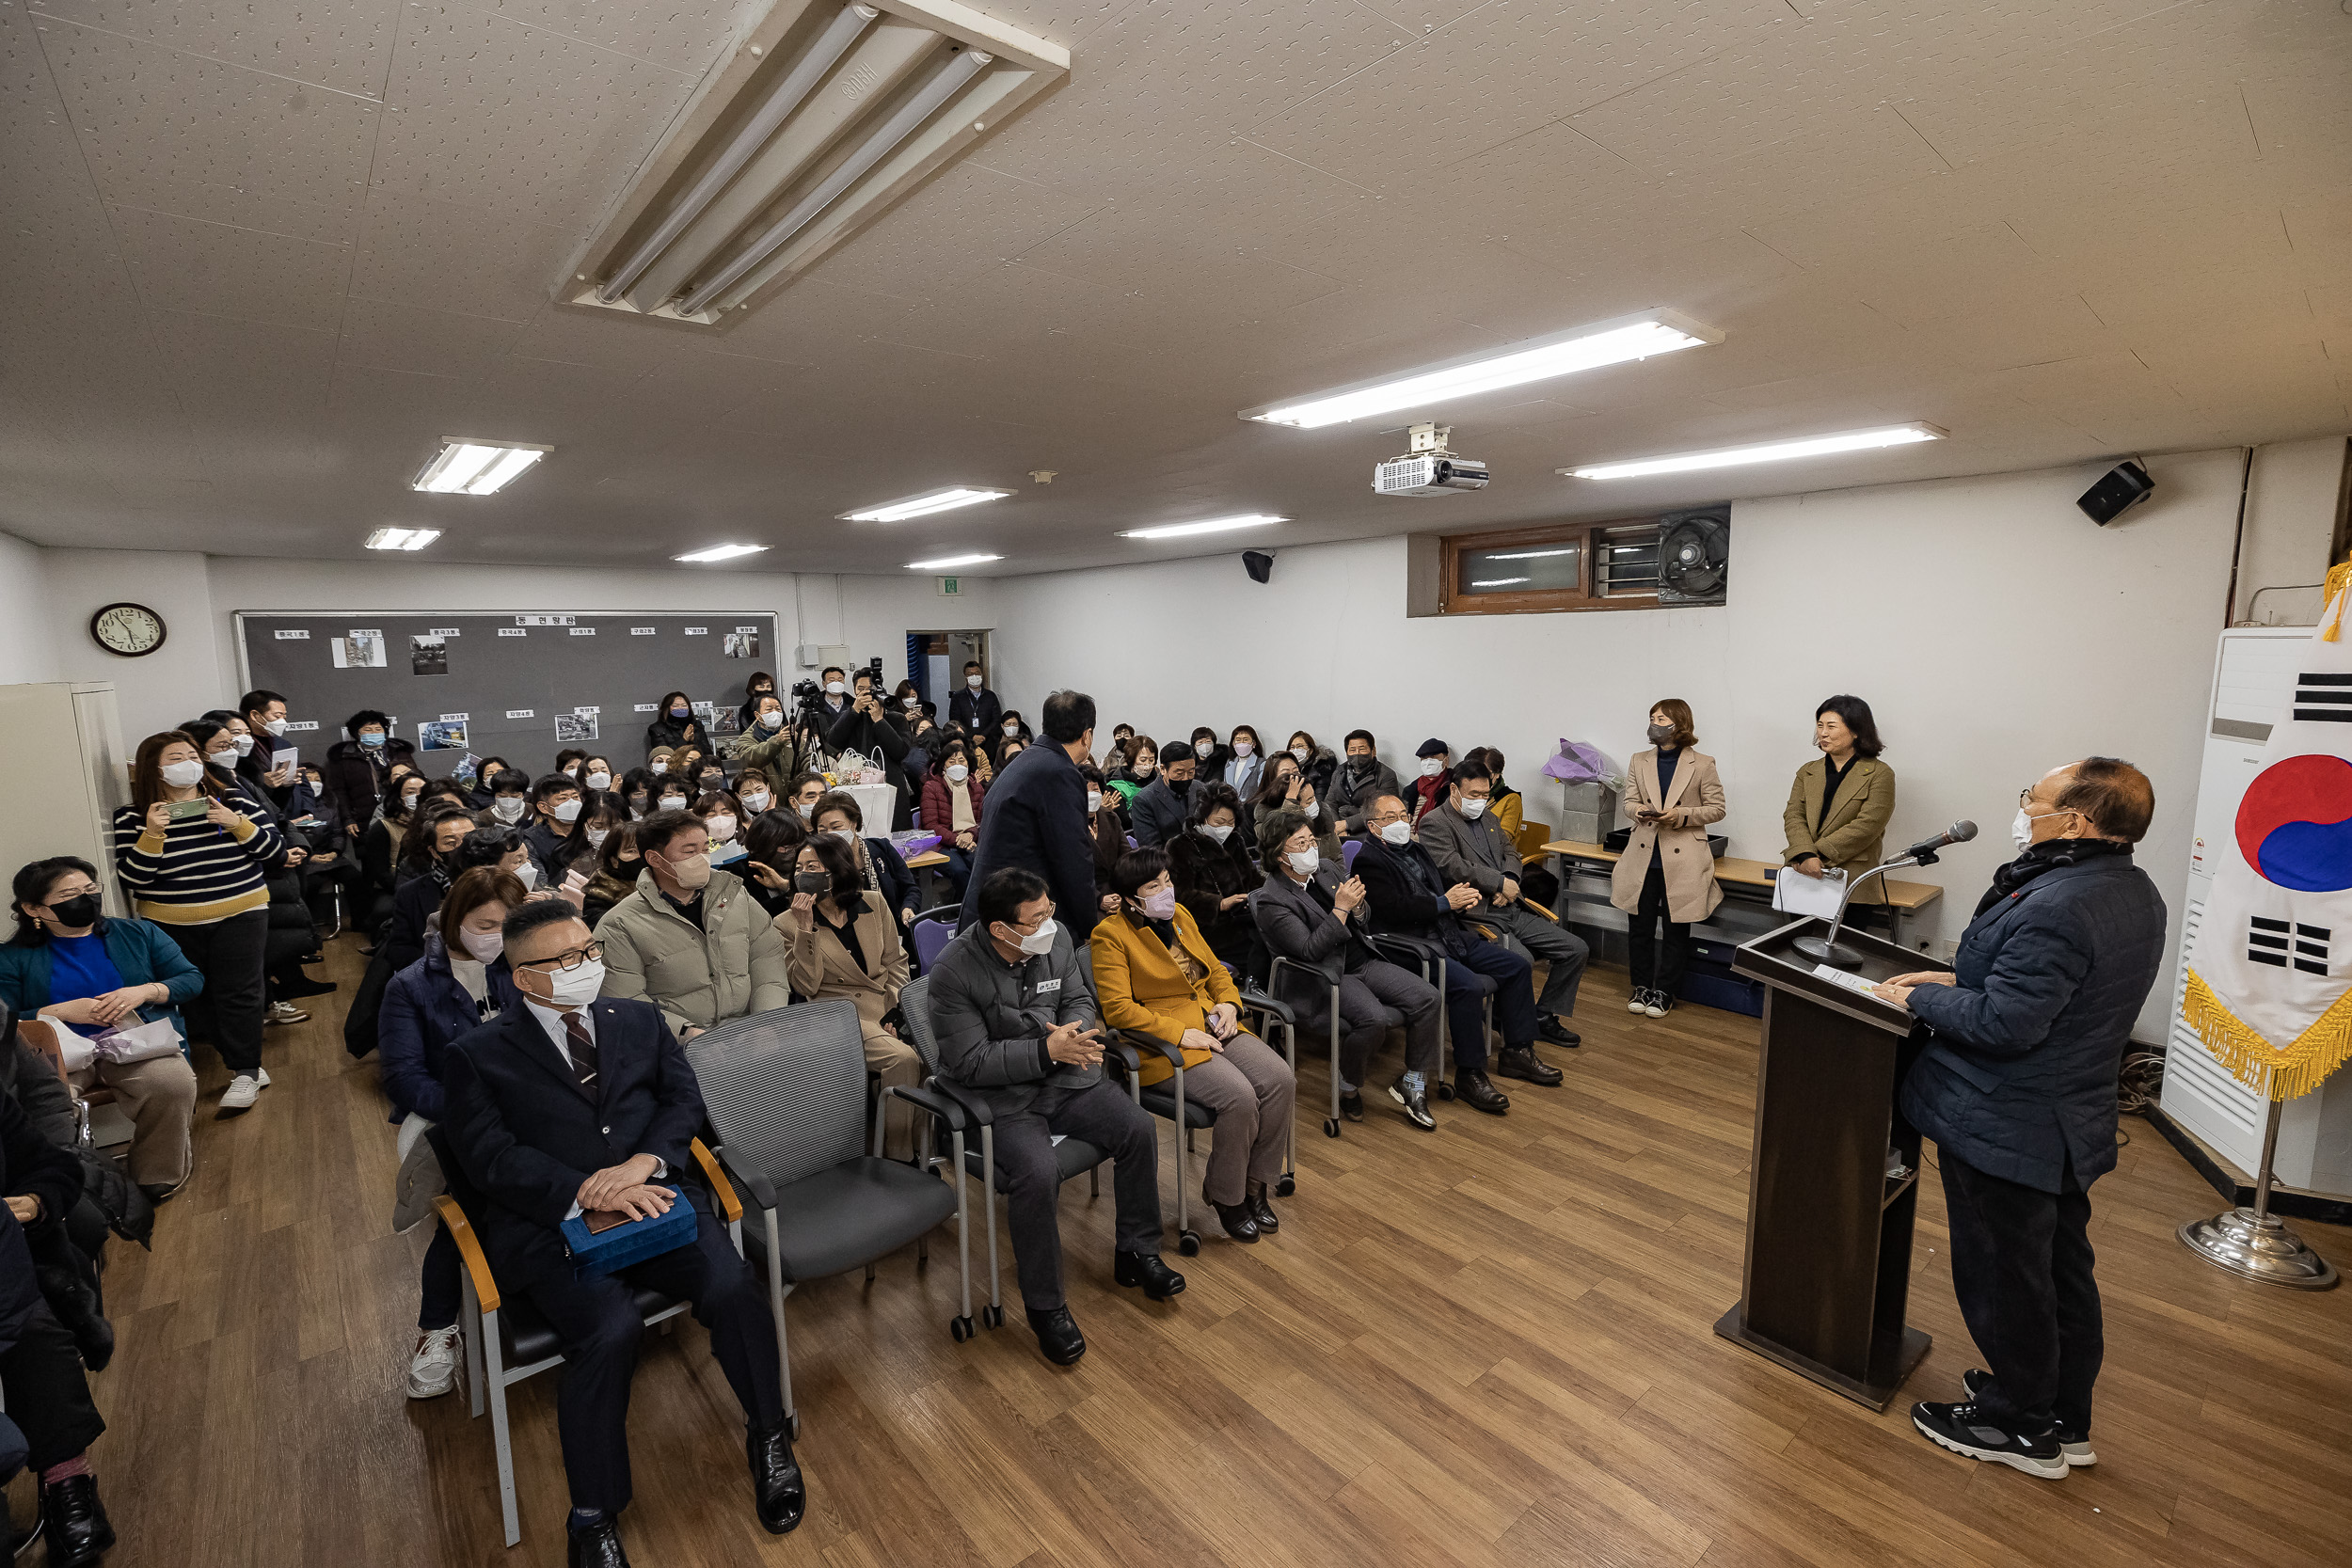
(126, 628)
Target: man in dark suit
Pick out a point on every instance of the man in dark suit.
(1036, 817)
(1409, 898)
(569, 1103)
(973, 705)
(2016, 1085)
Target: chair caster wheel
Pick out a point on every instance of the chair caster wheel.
(1445, 1091)
(961, 1328)
(1330, 1127)
(992, 1316)
(1286, 1186)
(1188, 1242)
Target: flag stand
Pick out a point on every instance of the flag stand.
(2253, 1244)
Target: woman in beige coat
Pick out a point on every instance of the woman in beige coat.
(1667, 871)
(1841, 803)
(840, 941)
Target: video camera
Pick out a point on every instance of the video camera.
(871, 669)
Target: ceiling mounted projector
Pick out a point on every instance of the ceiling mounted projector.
(1428, 470)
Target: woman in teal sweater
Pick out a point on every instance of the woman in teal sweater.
(90, 974)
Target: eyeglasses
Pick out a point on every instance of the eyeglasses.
(1026, 926)
(565, 961)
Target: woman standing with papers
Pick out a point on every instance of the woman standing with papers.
(1840, 806)
(1667, 872)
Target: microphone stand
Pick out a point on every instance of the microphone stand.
(1826, 950)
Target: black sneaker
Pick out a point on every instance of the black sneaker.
(1967, 1429)
(1352, 1106)
(2076, 1445)
(1416, 1104)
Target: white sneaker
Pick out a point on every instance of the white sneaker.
(1638, 1001)
(243, 1090)
(433, 1370)
(285, 1013)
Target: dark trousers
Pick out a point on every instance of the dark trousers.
(1031, 1175)
(2022, 1268)
(958, 871)
(1657, 966)
(1549, 943)
(1374, 1000)
(230, 953)
(48, 1397)
(600, 1328)
(1481, 970)
(438, 1295)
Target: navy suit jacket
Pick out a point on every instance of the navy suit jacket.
(527, 1135)
(1037, 817)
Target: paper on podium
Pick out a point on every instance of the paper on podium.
(1798, 893)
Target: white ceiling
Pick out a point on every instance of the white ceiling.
(261, 257)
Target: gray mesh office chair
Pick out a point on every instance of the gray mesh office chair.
(785, 1090)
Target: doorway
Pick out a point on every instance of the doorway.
(935, 661)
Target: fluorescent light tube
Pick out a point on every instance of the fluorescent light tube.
(1497, 582)
(1583, 348)
(402, 538)
(1770, 451)
(1532, 555)
(721, 552)
(469, 467)
(946, 561)
(1215, 525)
(923, 505)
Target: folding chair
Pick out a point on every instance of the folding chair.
(957, 1108)
(786, 1091)
(508, 1342)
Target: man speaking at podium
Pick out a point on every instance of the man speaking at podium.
(2016, 1085)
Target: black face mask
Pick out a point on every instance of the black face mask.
(76, 912)
(1361, 766)
(814, 883)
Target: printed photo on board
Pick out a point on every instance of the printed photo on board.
(576, 726)
(428, 655)
(361, 650)
(447, 735)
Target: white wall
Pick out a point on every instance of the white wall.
(27, 646)
(157, 690)
(1995, 631)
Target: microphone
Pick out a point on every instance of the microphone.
(1959, 833)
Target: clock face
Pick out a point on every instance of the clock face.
(128, 629)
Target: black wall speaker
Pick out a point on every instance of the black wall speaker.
(1259, 564)
(2124, 486)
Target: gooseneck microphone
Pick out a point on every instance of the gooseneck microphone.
(1828, 950)
(1959, 833)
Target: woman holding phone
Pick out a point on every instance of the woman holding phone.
(1667, 871)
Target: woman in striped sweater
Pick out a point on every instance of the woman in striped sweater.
(201, 875)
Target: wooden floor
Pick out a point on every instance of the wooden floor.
(1486, 1345)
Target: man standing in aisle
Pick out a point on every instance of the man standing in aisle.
(2017, 1087)
(975, 707)
(1036, 817)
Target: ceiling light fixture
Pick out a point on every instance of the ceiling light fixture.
(1215, 525)
(946, 561)
(923, 505)
(1582, 348)
(1770, 451)
(721, 552)
(466, 467)
(402, 538)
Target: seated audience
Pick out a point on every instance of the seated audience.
(671, 793)
(1411, 898)
(612, 1133)
(1154, 974)
(614, 876)
(674, 724)
(479, 785)
(554, 807)
(594, 773)
(690, 939)
(510, 800)
(838, 942)
(1209, 754)
(1359, 781)
(951, 809)
(1313, 912)
(637, 788)
(1135, 762)
(771, 855)
(1108, 831)
(1009, 726)
(380, 842)
(688, 766)
(601, 813)
(70, 1257)
(358, 769)
(1288, 788)
(755, 790)
(194, 855)
(1244, 762)
(1212, 874)
(761, 684)
(1158, 809)
(1506, 807)
(429, 865)
(807, 789)
(568, 760)
(460, 984)
(722, 815)
(1014, 1015)
(1317, 761)
(1468, 845)
(880, 869)
(68, 962)
(1437, 775)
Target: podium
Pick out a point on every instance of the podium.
(1828, 1266)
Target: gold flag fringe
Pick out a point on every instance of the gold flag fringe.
(2331, 619)
(2283, 1073)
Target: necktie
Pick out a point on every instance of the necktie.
(582, 1049)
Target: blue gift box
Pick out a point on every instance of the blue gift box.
(630, 1242)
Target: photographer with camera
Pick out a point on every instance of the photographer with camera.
(867, 729)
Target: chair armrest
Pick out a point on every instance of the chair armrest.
(485, 1288)
(1251, 997)
(756, 1182)
(975, 1107)
(1124, 1054)
(1143, 1043)
(1530, 905)
(730, 1206)
(943, 1106)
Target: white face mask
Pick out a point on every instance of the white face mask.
(972, 681)
(597, 837)
(1243, 748)
(225, 761)
(567, 811)
(1144, 766)
(1013, 729)
(1094, 801)
(1299, 752)
(1038, 943)
(1217, 835)
(1304, 862)
(507, 808)
(835, 688)
(756, 800)
(673, 802)
(575, 988)
(769, 720)
(2021, 831)
(484, 945)
(599, 781)
(1398, 832)
(527, 874)
(181, 774)
(806, 809)
(276, 726)
(723, 827)
(244, 745)
(1203, 748)
(958, 772)
(846, 835)
(659, 765)
(1472, 808)
(1431, 767)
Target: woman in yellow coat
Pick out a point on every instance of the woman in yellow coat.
(1667, 871)
(1840, 806)
(1153, 971)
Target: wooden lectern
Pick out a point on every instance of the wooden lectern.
(1828, 1265)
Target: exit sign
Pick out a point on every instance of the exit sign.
(950, 587)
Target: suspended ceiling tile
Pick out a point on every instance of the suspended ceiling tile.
(682, 35)
(339, 44)
(451, 255)
(186, 264)
(391, 336)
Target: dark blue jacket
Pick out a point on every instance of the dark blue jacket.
(2019, 1078)
(1157, 813)
(424, 1010)
(527, 1135)
(1036, 819)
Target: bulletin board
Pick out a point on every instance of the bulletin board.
(521, 686)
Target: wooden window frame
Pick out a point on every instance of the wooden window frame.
(1585, 536)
